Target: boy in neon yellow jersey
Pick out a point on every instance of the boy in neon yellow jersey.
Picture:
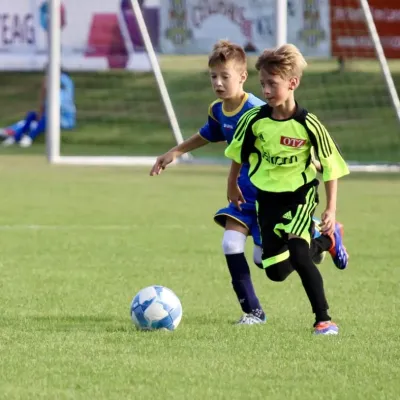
(277, 139)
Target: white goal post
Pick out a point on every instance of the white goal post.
(53, 132)
(381, 56)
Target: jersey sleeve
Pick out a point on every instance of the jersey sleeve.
(211, 130)
(326, 150)
(243, 140)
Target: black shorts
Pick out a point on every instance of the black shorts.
(281, 214)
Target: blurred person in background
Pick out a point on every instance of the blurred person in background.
(24, 132)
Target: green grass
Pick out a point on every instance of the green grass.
(78, 243)
(120, 113)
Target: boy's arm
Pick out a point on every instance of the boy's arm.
(234, 193)
(234, 172)
(327, 152)
(193, 143)
(331, 194)
(332, 167)
(328, 217)
(239, 152)
(210, 132)
(243, 140)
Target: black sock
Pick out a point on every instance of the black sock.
(242, 284)
(319, 245)
(310, 277)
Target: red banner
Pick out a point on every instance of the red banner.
(349, 32)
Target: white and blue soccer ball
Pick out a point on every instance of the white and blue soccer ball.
(156, 307)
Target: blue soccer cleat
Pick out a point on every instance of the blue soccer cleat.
(326, 328)
(338, 252)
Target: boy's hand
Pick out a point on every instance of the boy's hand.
(328, 220)
(235, 195)
(162, 162)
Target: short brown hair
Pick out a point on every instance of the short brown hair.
(285, 61)
(225, 51)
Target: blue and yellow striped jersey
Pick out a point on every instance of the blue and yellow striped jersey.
(221, 126)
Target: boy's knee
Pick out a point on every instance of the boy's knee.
(299, 252)
(257, 256)
(31, 115)
(274, 275)
(233, 242)
(279, 272)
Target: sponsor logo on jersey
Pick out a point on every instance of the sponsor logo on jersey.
(292, 142)
(276, 160)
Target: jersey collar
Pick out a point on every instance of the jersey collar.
(298, 113)
(237, 109)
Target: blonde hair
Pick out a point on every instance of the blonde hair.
(225, 51)
(285, 61)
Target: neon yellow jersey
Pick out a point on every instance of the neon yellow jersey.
(279, 151)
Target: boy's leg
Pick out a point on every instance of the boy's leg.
(233, 245)
(276, 259)
(308, 272)
(10, 130)
(280, 259)
(257, 255)
(39, 129)
(280, 271)
(298, 230)
(254, 231)
(34, 132)
(310, 277)
(277, 272)
(313, 285)
(275, 254)
(29, 118)
(317, 254)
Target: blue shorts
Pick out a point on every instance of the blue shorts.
(247, 217)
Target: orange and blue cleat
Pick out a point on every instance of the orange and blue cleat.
(338, 252)
(326, 328)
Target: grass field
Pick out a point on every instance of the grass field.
(120, 113)
(78, 243)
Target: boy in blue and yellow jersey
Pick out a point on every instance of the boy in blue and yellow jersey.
(228, 72)
(277, 140)
(27, 130)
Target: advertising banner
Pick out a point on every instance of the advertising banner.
(193, 26)
(350, 35)
(95, 35)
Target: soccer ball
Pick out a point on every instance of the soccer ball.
(156, 307)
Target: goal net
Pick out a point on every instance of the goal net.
(358, 100)
(141, 79)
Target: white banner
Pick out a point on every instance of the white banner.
(95, 35)
(193, 26)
